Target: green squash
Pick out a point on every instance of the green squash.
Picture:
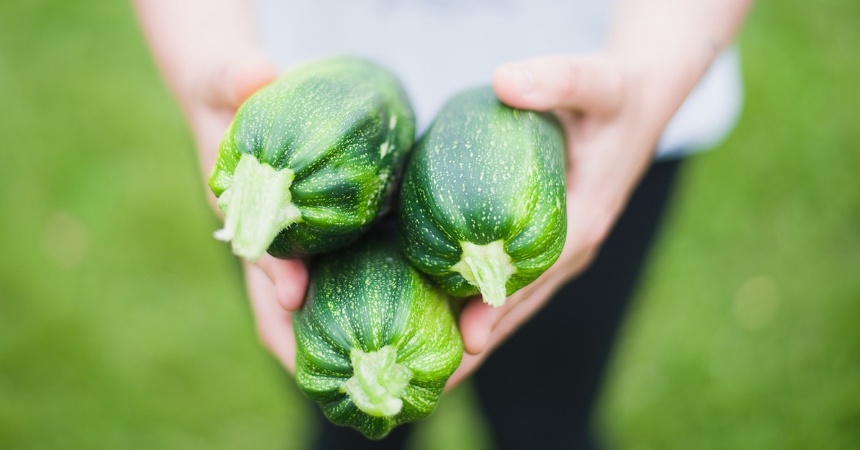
(310, 161)
(482, 207)
(375, 340)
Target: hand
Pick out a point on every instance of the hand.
(611, 127)
(275, 286)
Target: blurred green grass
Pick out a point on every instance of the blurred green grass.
(745, 335)
(123, 324)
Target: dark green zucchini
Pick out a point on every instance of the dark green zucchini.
(310, 161)
(375, 340)
(482, 207)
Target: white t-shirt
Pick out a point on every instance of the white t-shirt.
(440, 47)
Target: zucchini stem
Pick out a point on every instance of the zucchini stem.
(257, 206)
(488, 267)
(377, 382)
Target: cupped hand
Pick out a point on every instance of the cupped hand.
(275, 286)
(611, 126)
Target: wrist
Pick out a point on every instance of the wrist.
(655, 89)
(669, 45)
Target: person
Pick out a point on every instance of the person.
(632, 82)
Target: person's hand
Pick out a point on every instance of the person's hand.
(211, 59)
(611, 125)
(275, 286)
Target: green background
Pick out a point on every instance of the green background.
(123, 324)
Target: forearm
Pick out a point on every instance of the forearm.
(191, 38)
(668, 45)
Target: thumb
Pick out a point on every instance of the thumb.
(587, 84)
(238, 79)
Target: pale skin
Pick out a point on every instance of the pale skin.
(613, 106)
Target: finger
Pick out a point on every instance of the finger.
(274, 325)
(289, 277)
(484, 327)
(209, 127)
(526, 302)
(478, 320)
(481, 324)
(468, 364)
(235, 81)
(222, 93)
(476, 324)
(588, 84)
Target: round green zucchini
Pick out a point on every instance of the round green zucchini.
(375, 340)
(310, 161)
(482, 206)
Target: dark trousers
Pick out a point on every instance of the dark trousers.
(538, 389)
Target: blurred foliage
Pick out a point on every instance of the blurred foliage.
(745, 335)
(123, 324)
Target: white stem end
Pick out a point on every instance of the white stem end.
(488, 267)
(256, 206)
(377, 383)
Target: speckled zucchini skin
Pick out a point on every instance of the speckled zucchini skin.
(367, 297)
(485, 172)
(344, 127)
